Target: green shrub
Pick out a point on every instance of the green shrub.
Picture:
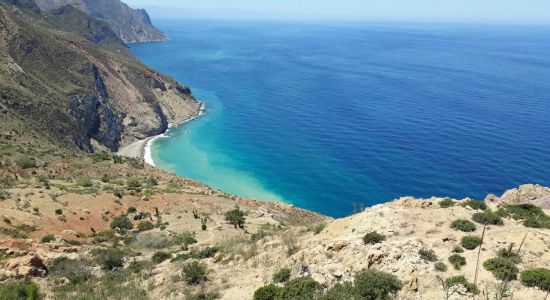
(121, 222)
(376, 285)
(268, 292)
(303, 288)
(487, 218)
(73, 242)
(133, 182)
(538, 277)
(341, 291)
(48, 238)
(532, 215)
(458, 249)
(85, 182)
(202, 296)
(477, 205)
(4, 195)
(373, 237)
(470, 242)
(194, 272)
(19, 291)
(131, 210)
(457, 261)
(463, 225)
(283, 275)
(461, 280)
(236, 217)
(440, 266)
(427, 254)
(503, 269)
(151, 182)
(145, 226)
(319, 228)
(511, 255)
(185, 238)
(109, 258)
(138, 266)
(161, 256)
(26, 162)
(446, 203)
(75, 271)
(151, 240)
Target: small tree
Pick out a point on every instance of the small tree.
(376, 285)
(373, 237)
(194, 272)
(121, 222)
(236, 217)
(283, 275)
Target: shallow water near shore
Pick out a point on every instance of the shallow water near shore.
(331, 117)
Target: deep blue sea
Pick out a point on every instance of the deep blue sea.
(331, 117)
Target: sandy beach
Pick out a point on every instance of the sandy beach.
(142, 148)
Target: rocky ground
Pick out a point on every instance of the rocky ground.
(62, 204)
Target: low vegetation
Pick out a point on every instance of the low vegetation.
(427, 255)
(463, 225)
(446, 203)
(487, 217)
(536, 277)
(373, 237)
(283, 275)
(457, 261)
(20, 291)
(194, 272)
(236, 217)
(532, 216)
(470, 242)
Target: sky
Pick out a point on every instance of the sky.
(474, 11)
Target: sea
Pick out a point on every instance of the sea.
(335, 117)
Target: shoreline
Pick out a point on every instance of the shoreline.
(142, 148)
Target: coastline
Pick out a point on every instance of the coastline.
(142, 148)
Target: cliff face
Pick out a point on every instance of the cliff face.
(131, 25)
(68, 78)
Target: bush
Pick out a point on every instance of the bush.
(145, 226)
(131, 210)
(161, 256)
(19, 291)
(194, 272)
(532, 215)
(341, 291)
(138, 266)
(122, 222)
(470, 242)
(85, 182)
(373, 238)
(26, 162)
(457, 261)
(133, 182)
(463, 225)
(456, 280)
(151, 181)
(458, 249)
(376, 285)
(446, 203)
(48, 238)
(487, 218)
(108, 259)
(477, 205)
(185, 238)
(511, 255)
(268, 292)
(440, 267)
(151, 240)
(202, 296)
(75, 271)
(427, 254)
(318, 228)
(236, 217)
(503, 269)
(538, 277)
(303, 288)
(283, 275)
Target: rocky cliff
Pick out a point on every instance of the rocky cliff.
(68, 78)
(131, 25)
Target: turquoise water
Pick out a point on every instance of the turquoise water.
(331, 117)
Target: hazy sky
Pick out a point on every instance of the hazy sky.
(491, 11)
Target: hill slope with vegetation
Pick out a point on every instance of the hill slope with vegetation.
(80, 222)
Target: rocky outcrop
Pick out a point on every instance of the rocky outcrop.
(525, 194)
(131, 25)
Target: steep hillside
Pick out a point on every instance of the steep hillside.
(131, 25)
(67, 78)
